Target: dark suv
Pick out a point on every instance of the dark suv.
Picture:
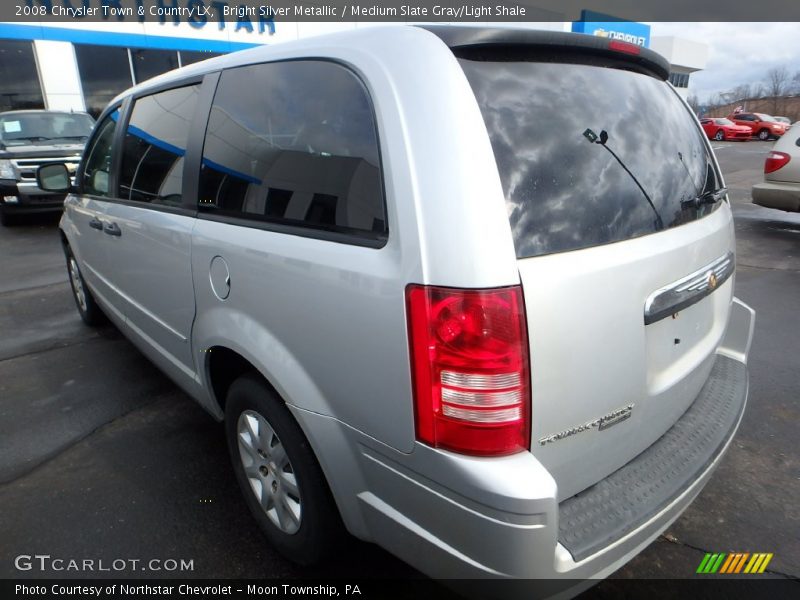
(28, 140)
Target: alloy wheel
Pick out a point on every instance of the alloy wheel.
(269, 472)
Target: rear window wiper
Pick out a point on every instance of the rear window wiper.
(709, 197)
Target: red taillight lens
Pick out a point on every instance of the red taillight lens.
(775, 160)
(469, 356)
(625, 47)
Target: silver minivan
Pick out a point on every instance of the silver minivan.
(464, 292)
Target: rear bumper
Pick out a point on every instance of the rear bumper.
(780, 195)
(458, 517)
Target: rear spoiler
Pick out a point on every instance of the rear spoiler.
(470, 41)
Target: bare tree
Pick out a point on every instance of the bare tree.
(728, 97)
(777, 83)
(743, 92)
(694, 102)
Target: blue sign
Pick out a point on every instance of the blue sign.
(593, 23)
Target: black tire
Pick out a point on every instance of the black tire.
(319, 525)
(720, 135)
(763, 135)
(90, 312)
(6, 220)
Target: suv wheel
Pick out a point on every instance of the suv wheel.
(278, 473)
(5, 219)
(763, 135)
(87, 307)
(720, 135)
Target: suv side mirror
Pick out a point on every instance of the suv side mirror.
(53, 178)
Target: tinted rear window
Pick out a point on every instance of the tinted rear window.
(565, 189)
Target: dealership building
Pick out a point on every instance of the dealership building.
(82, 65)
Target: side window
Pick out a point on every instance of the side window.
(278, 149)
(98, 161)
(154, 147)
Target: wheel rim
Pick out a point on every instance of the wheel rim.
(763, 135)
(269, 472)
(719, 136)
(77, 284)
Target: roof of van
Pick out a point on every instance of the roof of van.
(456, 37)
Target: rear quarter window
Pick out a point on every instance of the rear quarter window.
(589, 155)
(294, 143)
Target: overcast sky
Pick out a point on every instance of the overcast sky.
(738, 52)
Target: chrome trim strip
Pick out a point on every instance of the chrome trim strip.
(688, 290)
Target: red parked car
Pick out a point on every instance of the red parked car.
(719, 128)
(761, 125)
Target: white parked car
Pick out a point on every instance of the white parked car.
(781, 186)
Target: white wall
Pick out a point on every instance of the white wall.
(58, 70)
(680, 52)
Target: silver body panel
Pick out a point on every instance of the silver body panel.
(325, 324)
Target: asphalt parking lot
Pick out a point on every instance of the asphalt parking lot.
(102, 457)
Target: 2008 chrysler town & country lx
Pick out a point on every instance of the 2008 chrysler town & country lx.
(467, 291)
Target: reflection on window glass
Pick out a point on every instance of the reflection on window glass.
(105, 72)
(98, 161)
(189, 57)
(277, 149)
(20, 88)
(149, 63)
(154, 146)
(589, 155)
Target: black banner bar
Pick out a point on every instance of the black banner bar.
(697, 588)
(200, 12)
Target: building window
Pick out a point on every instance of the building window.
(679, 80)
(149, 63)
(105, 72)
(20, 87)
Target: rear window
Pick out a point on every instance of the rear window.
(589, 155)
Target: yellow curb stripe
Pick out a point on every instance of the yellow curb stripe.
(751, 563)
(764, 564)
(756, 566)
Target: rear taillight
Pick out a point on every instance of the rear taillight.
(775, 160)
(469, 357)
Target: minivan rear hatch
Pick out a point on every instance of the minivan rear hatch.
(624, 255)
